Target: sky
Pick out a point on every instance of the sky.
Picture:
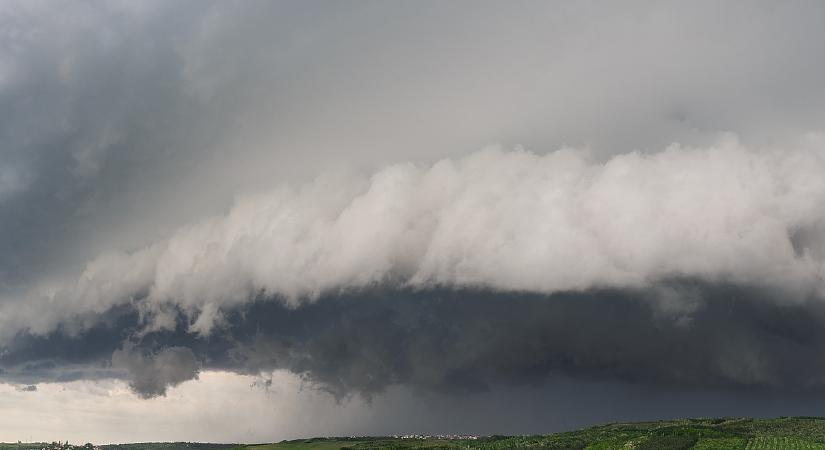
(246, 221)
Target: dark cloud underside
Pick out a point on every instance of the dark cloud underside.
(445, 199)
(462, 341)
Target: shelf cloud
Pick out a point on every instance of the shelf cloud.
(653, 246)
(440, 199)
(507, 221)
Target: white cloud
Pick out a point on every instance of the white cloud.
(123, 121)
(503, 220)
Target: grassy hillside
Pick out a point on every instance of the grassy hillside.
(785, 433)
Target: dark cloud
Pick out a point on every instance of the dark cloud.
(468, 340)
(150, 374)
(157, 218)
(465, 341)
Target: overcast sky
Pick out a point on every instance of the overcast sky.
(257, 220)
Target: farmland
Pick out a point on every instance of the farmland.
(784, 433)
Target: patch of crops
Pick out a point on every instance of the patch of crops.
(781, 443)
(668, 442)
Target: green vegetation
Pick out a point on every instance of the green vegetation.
(772, 442)
(784, 433)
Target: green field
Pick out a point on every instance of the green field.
(785, 433)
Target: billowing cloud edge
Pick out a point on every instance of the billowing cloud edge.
(496, 220)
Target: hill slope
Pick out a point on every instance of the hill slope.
(784, 433)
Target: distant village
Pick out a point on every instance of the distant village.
(436, 436)
(67, 446)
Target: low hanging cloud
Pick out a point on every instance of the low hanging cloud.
(500, 220)
(516, 265)
(170, 210)
(150, 375)
(459, 342)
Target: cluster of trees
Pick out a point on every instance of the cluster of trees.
(58, 445)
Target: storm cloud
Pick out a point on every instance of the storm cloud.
(505, 221)
(447, 198)
(151, 374)
(458, 342)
